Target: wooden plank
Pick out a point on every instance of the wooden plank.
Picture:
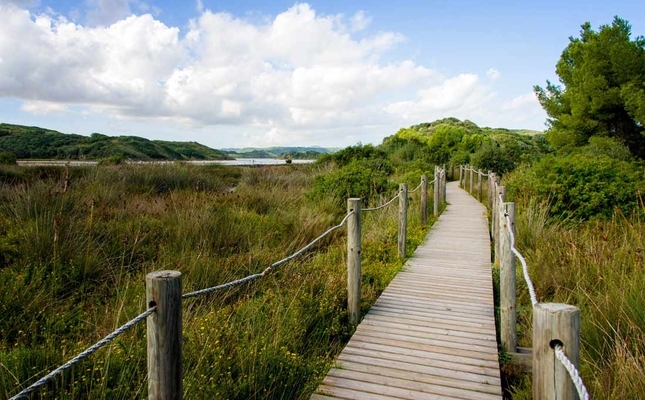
(433, 321)
(431, 334)
(420, 326)
(404, 382)
(430, 350)
(452, 369)
(387, 369)
(438, 340)
(378, 389)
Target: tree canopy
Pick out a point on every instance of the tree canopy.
(603, 89)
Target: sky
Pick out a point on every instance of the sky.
(252, 73)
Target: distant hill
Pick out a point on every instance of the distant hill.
(279, 152)
(33, 142)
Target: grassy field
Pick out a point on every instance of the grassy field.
(73, 265)
(597, 266)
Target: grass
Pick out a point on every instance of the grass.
(73, 265)
(597, 266)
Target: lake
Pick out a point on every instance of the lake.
(236, 162)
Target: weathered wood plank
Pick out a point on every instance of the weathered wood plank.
(431, 334)
(403, 382)
(472, 390)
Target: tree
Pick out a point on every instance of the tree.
(603, 89)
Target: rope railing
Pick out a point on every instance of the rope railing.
(250, 278)
(525, 268)
(573, 372)
(86, 353)
(381, 206)
(553, 322)
(416, 188)
(253, 277)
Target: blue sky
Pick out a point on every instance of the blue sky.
(258, 73)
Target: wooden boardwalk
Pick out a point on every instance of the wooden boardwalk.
(431, 334)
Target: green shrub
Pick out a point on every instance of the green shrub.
(362, 179)
(491, 157)
(580, 186)
(355, 153)
(7, 158)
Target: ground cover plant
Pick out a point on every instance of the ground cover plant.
(74, 261)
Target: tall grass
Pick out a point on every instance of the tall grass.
(73, 265)
(597, 266)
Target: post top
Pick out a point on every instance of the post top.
(165, 274)
(557, 307)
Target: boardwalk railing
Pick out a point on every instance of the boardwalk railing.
(164, 296)
(555, 355)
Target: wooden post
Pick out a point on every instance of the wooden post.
(403, 217)
(554, 323)
(443, 186)
(163, 289)
(435, 197)
(461, 176)
(493, 207)
(507, 281)
(424, 200)
(354, 261)
(501, 190)
(440, 185)
(479, 185)
(472, 175)
(489, 181)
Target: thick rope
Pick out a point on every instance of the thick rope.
(525, 268)
(573, 372)
(417, 188)
(92, 349)
(268, 269)
(382, 206)
(559, 352)
(307, 247)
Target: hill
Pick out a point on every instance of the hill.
(33, 142)
(295, 152)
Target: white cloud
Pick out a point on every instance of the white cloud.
(43, 107)
(299, 74)
(527, 99)
(359, 21)
(199, 6)
(493, 74)
(462, 96)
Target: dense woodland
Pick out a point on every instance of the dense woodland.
(80, 253)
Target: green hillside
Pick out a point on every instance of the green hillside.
(33, 142)
(296, 152)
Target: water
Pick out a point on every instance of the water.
(236, 162)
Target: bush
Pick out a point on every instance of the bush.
(581, 186)
(357, 179)
(7, 158)
(354, 153)
(491, 157)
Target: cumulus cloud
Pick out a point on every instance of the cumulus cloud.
(297, 72)
(462, 96)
